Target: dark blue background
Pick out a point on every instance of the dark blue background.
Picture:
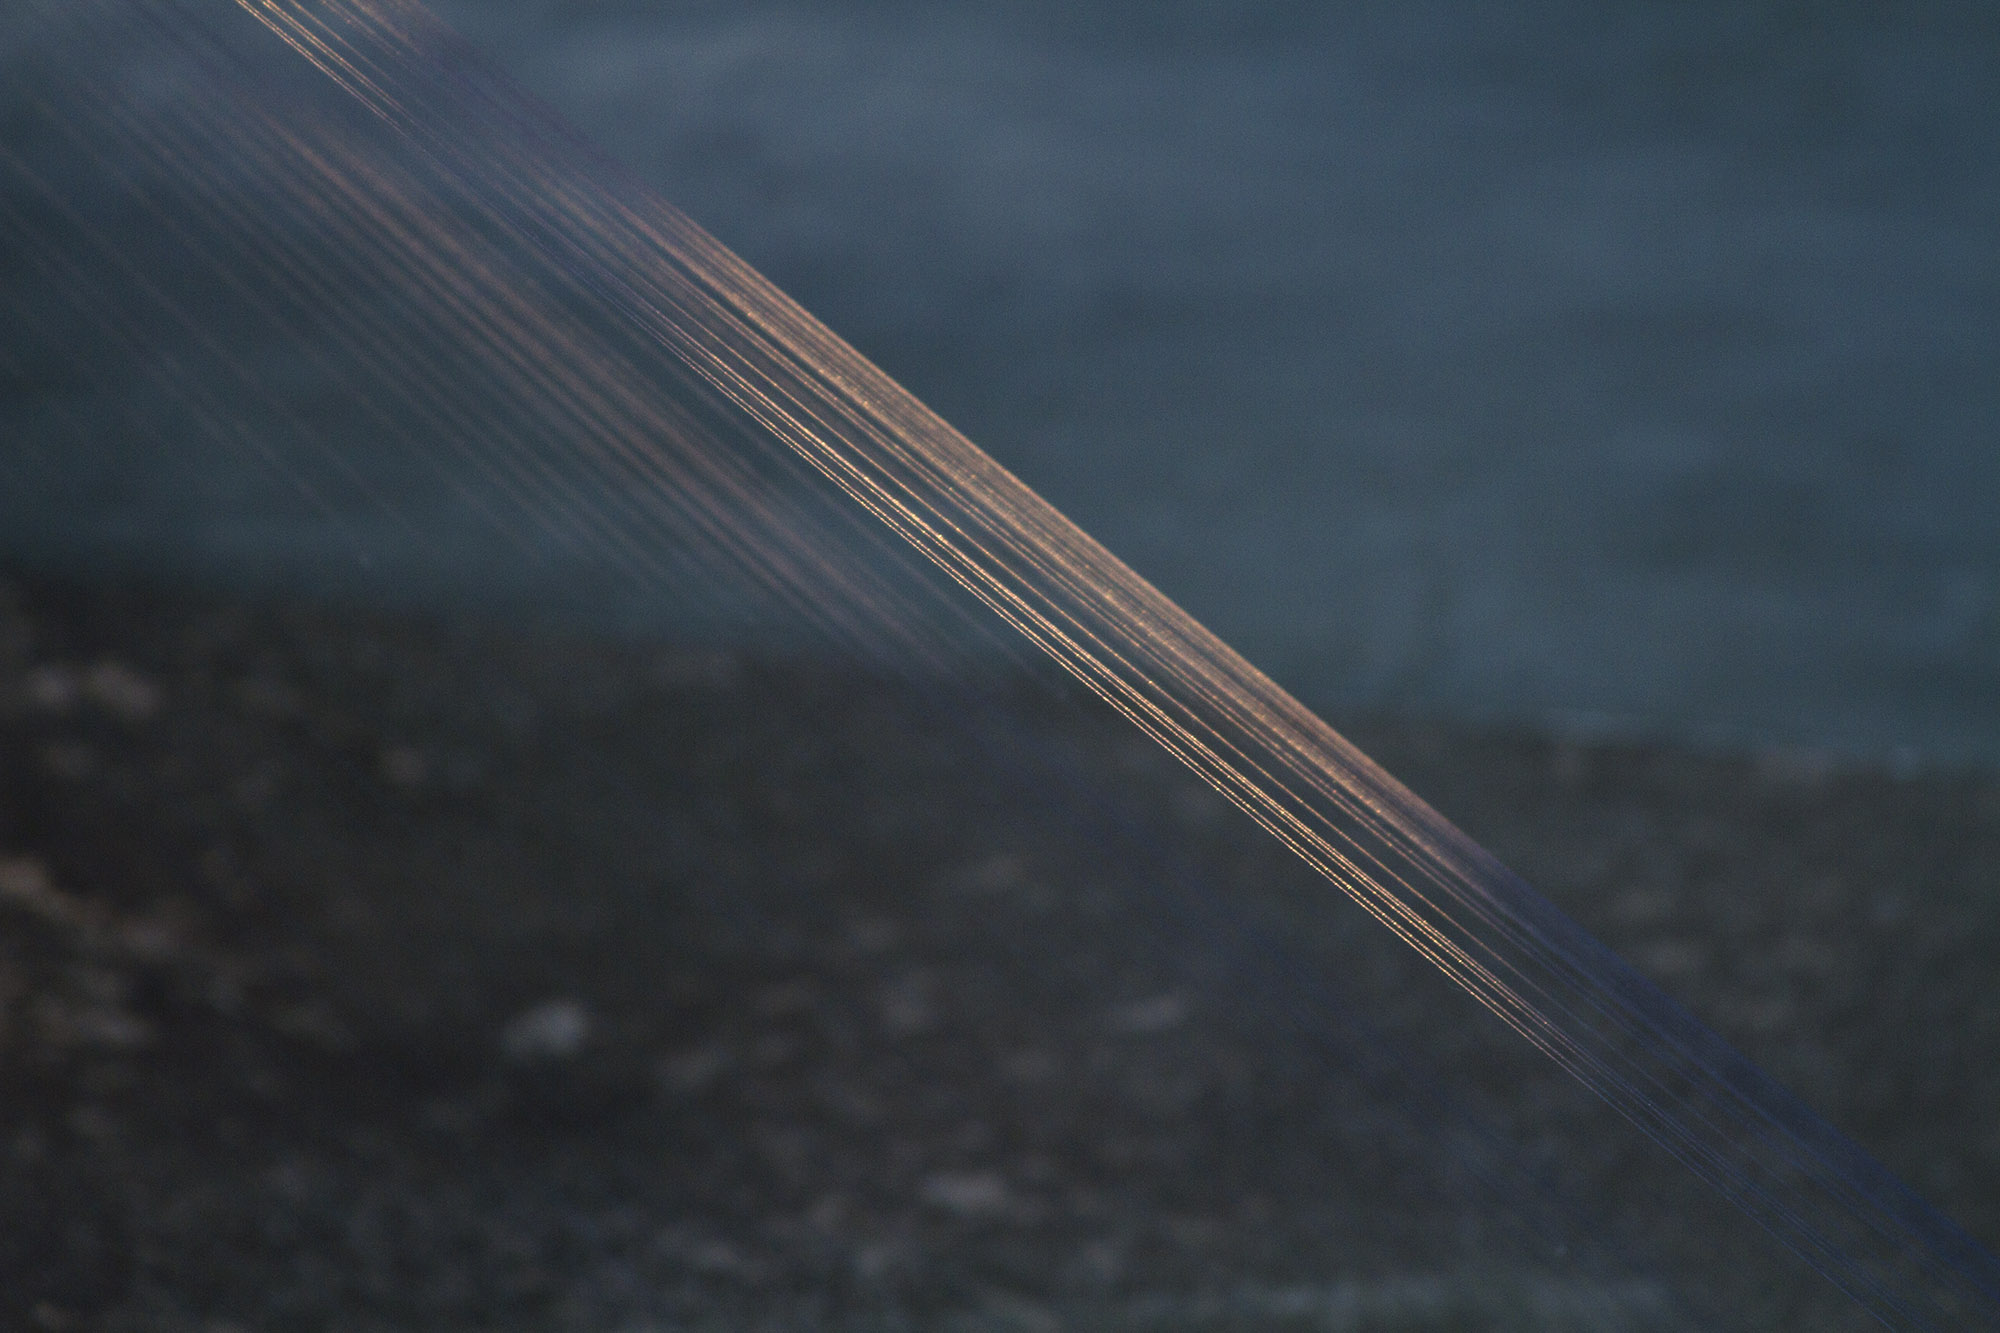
(1604, 365)
(1625, 365)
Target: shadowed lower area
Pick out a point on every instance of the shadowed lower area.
(368, 973)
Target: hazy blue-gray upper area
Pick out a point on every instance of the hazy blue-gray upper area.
(1627, 359)
(1610, 360)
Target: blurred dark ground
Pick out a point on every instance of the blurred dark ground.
(370, 973)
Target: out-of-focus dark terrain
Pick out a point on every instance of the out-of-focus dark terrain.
(366, 973)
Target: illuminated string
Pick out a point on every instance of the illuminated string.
(769, 416)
